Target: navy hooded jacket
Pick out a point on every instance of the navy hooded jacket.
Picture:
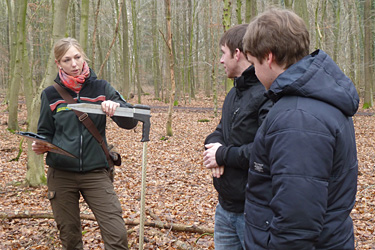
(303, 168)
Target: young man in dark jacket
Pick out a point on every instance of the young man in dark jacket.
(228, 147)
(303, 168)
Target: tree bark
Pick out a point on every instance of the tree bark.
(300, 7)
(17, 74)
(190, 55)
(84, 27)
(35, 164)
(238, 11)
(135, 49)
(368, 43)
(251, 10)
(12, 37)
(125, 51)
(94, 35)
(112, 43)
(155, 50)
(171, 67)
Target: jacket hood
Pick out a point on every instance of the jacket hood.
(317, 76)
(247, 79)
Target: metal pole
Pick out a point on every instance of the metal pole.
(143, 192)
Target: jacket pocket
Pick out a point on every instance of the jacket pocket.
(258, 216)
(258, 220)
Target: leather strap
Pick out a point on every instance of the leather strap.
(85, 119)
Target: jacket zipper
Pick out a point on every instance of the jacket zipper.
(80, 154)
(234, 116)
(81, 141)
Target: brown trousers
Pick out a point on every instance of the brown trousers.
(64, 190)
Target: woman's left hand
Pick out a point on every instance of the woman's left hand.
(109, 107)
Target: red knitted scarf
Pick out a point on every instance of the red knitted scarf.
(75, 82)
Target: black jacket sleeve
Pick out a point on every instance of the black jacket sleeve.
(238, 157)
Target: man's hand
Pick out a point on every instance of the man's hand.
(217, 172)
(109, 107)
(209, 159)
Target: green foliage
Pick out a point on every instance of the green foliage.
(43, 180)
(20, 150)
(175, 103)
(366, 105)
(203, 120)
(11, 130)
(164, 138)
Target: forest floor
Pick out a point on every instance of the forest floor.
(179, 188)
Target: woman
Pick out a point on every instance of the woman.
(87, 174)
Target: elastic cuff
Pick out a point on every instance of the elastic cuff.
(220, 152)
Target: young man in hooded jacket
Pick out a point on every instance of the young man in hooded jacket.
(303, 168)
(228, 147)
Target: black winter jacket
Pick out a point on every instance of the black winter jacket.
(60, 125)
(244, 109)
(303, 169)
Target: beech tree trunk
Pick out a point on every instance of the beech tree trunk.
(17, 74)
(369, 100)
(35, 163)
(84, 27)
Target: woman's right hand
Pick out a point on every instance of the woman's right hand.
(39, 148)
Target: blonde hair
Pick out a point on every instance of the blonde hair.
(279, 31)
(64, 44)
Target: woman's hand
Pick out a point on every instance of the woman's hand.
(109, 107)
(39, 148)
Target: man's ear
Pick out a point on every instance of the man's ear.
(270, 59)
(237, 54)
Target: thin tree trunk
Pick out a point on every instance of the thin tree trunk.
(155, 50)
(125, 51)
(112, 43)
(84, 27)
(227, 17)
(251, 10)
(171, 67)
(300, 7)
(368, 101)
(336, 31)
(12, 39)
(94, 35)
(213, 70)
(17, 74)
(135, 50)
(207, 42)
(190, 56)
(238, 11)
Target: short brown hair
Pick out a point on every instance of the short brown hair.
(281, 32)
(233, 37)
(64, 44)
